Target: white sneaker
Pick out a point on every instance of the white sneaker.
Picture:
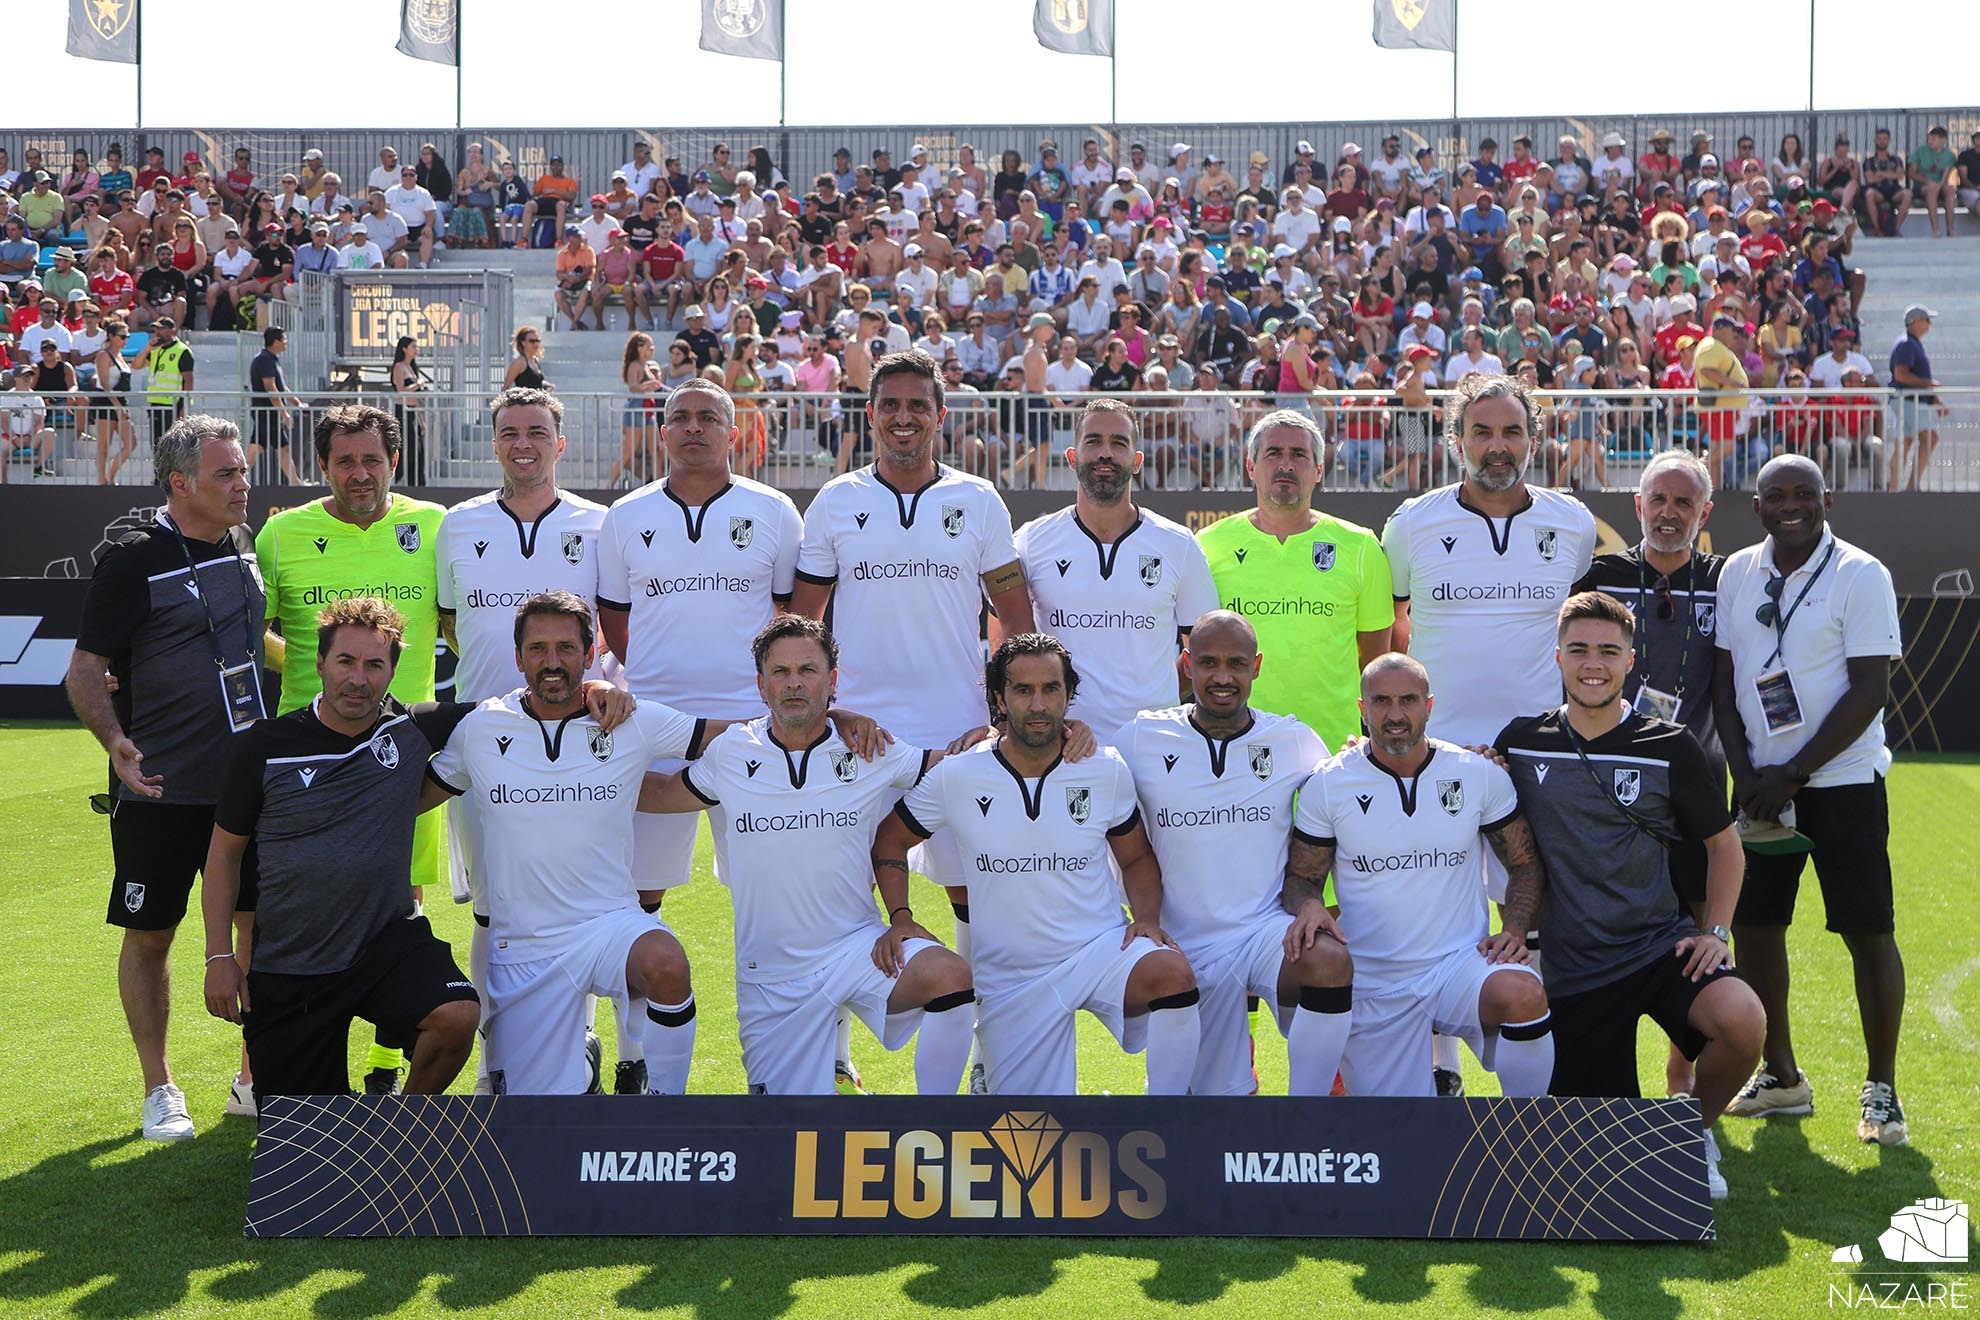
(1715, 1182)
(240, 1099)
(1766, 1094)
(165, 1116)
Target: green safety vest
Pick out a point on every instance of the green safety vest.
(167, 381)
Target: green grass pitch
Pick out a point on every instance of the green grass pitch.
(96, 1222)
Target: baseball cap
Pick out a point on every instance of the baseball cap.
(729, 202)
(1303, 147)
(271, 228)
(913, 250)
(1707, 159)
(1624, 262)
(76, 295)
(1213, 159)
(700, 176)
(319, 229)
(1422, 309)
(1471, 273)
(618, 174)
(1283, 250)
(1581, 364)
(1162, 222)
(190, 155)
(359, 229)
(1918, 312)
(598, 199)
(570, 230)
(1841, 332)
(1722, 321)
(694, 310)
(1350, 149)
(1259, 158)
(756, 282)
(314, 153)
(1417, 352)
(1038, 319)
(1123, 175)
(1770, 838)
(1342, 225)
(1684, 302)
(1306, 321)
(1824, 204)
(1177, 149)
(917, 150)
(1685, 341)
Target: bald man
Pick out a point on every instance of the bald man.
(1216, 781)
(1401, 819)
(1808, 628)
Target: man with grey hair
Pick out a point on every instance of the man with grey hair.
(1480, 568)
(174, 615)
(1315, 587)
(1672, 588)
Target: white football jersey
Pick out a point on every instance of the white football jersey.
(1118, 608)
(1407, 854)
(555, 803)
(490, 562)
(1220, 814)
(797, 828)
(1035, 856)
(908, 568)
(1483, 593)
(700, 584)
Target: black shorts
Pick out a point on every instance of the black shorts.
(1595, 1030)
(298, 1030)
(157, 848)
(1850, 826)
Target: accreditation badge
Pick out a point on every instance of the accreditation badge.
(240, 695)
(1656, 704)
(1779, 705)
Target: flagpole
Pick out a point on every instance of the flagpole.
(1455, 132)
(783, 64)
(460, 21)
(137, 21)
(1114, 71)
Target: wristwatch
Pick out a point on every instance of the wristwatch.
(1720, 933)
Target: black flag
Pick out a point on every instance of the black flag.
(104, 30)
(1425, 24)
(431, 30)
(1075, 27)
(751, 29)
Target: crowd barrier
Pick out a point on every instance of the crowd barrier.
(1192, 440)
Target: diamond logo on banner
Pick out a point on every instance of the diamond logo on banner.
(1027, 1138)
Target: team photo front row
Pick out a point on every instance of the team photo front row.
(1381, 742)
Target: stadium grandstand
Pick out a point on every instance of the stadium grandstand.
(1742, 285)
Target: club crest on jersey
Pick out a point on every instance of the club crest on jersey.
(952, 520)
(386, 750)
(1547, 541)
(1323, 555)
(1151, 570)
(1079, 804)
(1450, 795)
(601, 743)
(408, 534)
(1629, 785)
(574, 548)
(133, 896)
(1705, 615)
(741, 532)
(1261, 760)
(846, 766)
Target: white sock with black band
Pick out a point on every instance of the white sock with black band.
(669, 1035)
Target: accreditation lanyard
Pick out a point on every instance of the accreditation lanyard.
(1784, 613)
(1690, 614)
(240, 686)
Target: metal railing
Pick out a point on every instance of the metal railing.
(1592, 439)
(591, 154)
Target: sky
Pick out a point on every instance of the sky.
(976, 62)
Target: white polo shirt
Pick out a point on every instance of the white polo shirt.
(1850, 611)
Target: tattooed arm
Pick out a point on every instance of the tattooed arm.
(1302, 895)
(1525, 878)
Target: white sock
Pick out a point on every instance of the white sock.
(962, 951)
(631, 1049)
(941, 1046)
(1444, 1053)
(669, 1035)
(842, 1039)
(1174, 1035)
(1319, 1035)
(478, 973)
(1524, 1056)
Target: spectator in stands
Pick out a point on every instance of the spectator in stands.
(41, 209)
(512, 200)
(1919, 410)
(387, 229)
(318, 256)
(1932, 171)
(360, 251)
(231, 266)
(385, 175)
(575, 265)
(25, 415)
(310, 174)
(114, 179)
(553, 195)
(414, 205)
(81, 180)
(1886, 196)
(330, 196)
